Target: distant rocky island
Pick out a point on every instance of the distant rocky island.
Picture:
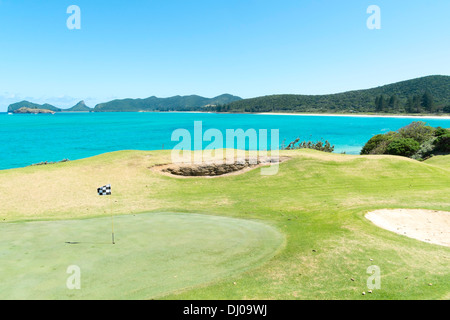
(30, 107)
(34, 111)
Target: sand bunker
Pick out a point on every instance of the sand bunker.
(426, 225)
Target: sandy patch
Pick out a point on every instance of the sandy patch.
(426, 225)
(446, 117)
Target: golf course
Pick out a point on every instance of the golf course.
(299, 234)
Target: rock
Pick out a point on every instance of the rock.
(33, 111)
(211, 169)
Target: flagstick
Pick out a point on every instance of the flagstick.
(112, 220)
(112, 224)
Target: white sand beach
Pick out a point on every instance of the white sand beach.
(444, 117)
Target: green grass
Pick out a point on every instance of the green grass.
(317, 201)
(153, 254)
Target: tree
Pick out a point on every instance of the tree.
(409, 105)
(393, 103)
(427, 101)
(377, 104)
(380, 103)
(416, 107)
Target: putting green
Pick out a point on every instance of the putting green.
(154, 254)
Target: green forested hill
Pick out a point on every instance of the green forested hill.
(422, 95)
(79, 107)
(176, 103)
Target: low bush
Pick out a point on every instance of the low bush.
(418, 130)
(443, 143)
(416, 140)
(440, 131)
(425, 151)
(374, 143)
(405, 147)
(318, 145)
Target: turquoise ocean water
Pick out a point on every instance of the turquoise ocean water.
(28, 139)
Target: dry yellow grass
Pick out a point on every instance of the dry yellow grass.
(68, 190)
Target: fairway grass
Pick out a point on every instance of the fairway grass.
(317, 201)
(154, 254)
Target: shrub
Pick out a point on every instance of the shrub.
(425, 151)
(378, 144)
(418, 131)
(443, 143)
(440, 131)
(417, 140)
(373, 143)
(319, 145)
(405, 147)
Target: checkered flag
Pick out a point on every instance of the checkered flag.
(105, 190)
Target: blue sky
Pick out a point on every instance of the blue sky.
(141, 48)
